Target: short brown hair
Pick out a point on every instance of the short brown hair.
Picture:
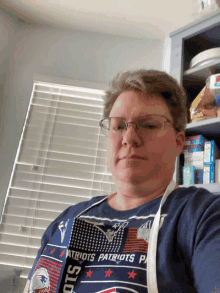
(151, 82)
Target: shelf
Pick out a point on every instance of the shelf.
(209, 127)
(186, 44)
(203, 71)
(213, 187)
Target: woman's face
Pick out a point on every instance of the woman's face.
(157, 151)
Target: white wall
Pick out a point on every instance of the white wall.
(66, 54)
(7, 30)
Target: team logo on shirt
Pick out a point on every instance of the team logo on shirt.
(63, 227)
(40, 282)
(110, 233)
(145, 229)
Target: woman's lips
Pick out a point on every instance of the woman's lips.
(133, 157)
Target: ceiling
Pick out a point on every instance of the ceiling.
(135, 18)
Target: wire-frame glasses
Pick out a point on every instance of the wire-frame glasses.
(148, 124)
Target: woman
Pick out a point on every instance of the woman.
(150, 235)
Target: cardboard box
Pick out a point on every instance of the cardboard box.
(193, 156)
(210, 152)
(193, 148)
(199, 176)
(197, 164)
(195, 139)
(209, 173)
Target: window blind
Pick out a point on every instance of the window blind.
(60, 161)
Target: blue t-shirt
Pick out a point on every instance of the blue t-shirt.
(104, 250)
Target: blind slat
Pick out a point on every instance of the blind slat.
(37, 204)
(37, 176)
(92, 135)
(67, 149)
(29, 155)
(77, 106)
(18, 250)
(40, 109)
(69, 98)
(57, 198)
(32, 213)
(57, 88)
(29, 178)
(38, 118)
(31, 134)
(25, 221)
(41, 186)
(69, 141)
(75, 174)
(20, 240)
(17, 229)
(68, 166)
(16, 260)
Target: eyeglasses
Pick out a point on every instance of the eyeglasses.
(149, 124)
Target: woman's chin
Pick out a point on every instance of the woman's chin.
(134, 177)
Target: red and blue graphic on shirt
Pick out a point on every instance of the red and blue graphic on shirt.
(104, 258)
(95, 258)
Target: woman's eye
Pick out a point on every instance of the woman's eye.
(150, 126)
(119, 127)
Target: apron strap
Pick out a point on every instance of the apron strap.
(152, 246)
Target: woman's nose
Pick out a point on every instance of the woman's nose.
(130, 136)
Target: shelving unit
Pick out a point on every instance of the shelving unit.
(186, 43)
(209, 128)
(202, 72)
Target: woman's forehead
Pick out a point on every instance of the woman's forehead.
(134, 104)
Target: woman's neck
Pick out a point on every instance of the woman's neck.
(131, 198)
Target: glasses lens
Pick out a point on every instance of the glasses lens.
(118, 125)
(114, 125)
(151, 124)
(105, 126)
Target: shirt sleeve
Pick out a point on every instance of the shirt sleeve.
(46, 237)
(206, 254)
(70, 212)
(44, 241)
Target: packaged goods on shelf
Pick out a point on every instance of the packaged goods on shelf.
(188, 175)
(211, 152)
(217, 171)
(199, 173)
(195, 139)
(198, 151)
(199, 176)
(193, 148)
(209, 173)
(203, 106)
(199, 182)
(194, 156)
(198, 164)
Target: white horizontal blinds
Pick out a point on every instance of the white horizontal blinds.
(61, 161)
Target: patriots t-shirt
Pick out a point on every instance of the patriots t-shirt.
(95, 248)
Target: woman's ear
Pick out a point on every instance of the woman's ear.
(180, 141)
